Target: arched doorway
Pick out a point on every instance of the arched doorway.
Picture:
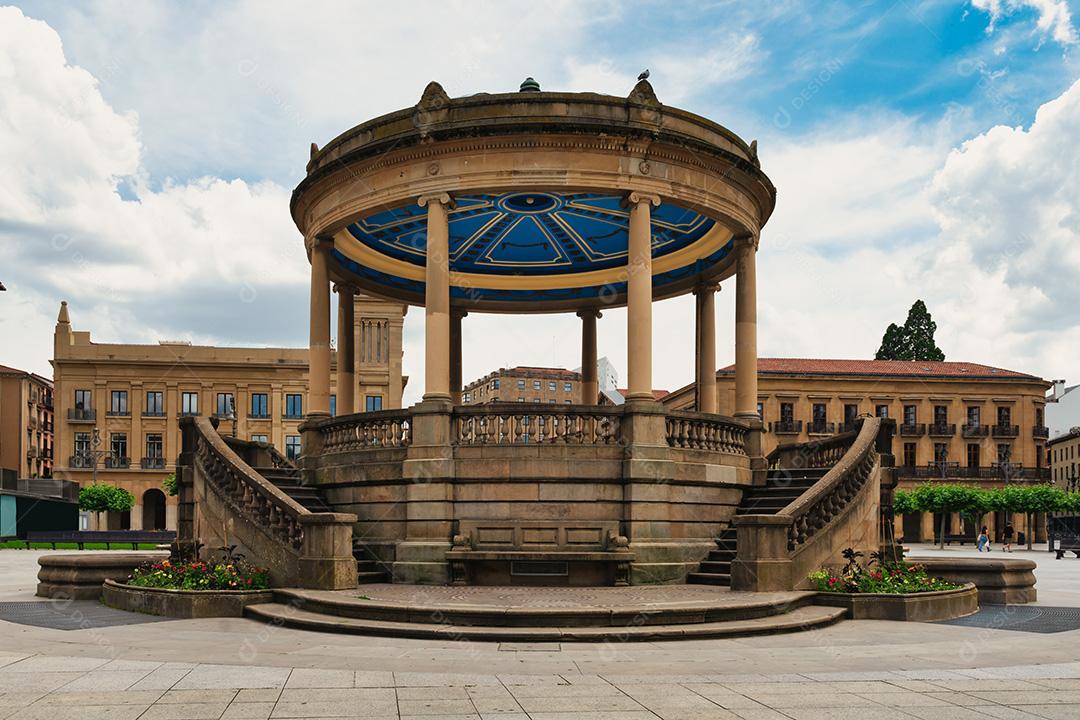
(153, 510)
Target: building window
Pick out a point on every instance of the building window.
(567, 401)
(552, 385)
(909, 454)
(292, 446)
(373, 403)
(259, 438)
(466, 397)
(1039, 417)
(154, 446)
(787, 412)
(82, 444)
(882, 411)
(521, 399)
(851, 412)
(495, 384)
(536, 384)
(294, 405)
(118, 402)
(1004, 416)
(83, 400)
(521, 384)
(941, 452)
(973, 455)
(155, 403)
(911, 414)
(974, 416)
(189, 403)
(259, 405)
(333, 405)
(567, 387)
(820, 413)
(1004, 452)
(761, 410)
(941, 414)
(225, 404)
(118, 445)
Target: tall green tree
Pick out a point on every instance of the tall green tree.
(913, 341)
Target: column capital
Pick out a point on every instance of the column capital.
(318, 240)
(442, 198)
(636, 198)
(747, 241)
(345, 288)
(459, 314)
(707, 287)
(589, 312)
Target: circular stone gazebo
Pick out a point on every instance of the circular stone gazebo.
(534, 202)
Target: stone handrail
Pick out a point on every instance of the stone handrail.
(703, 431)
(258, 454)
(247, 492)
(816, 507)
(533, 423)
(366, 430)
(814, 454)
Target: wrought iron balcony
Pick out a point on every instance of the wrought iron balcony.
(972, 431)
(849, 426)
(81, 415)
(820, 427)
(117, 413)
(153, 463)
(791, 427)
(1006, 431)
(81, 462)
(153, 413)
(1040, 432)
(942, 430)
(913, 430)
(116, 462)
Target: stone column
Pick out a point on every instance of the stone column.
(706, 347)
(639, 297)
(319, 348)
(455, 355)
(590, 385)
(437, 298)
(746, 328)
(346, 354)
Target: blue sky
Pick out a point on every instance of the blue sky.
(921, 149)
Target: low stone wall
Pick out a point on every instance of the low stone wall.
(1001, 581)
(916, 607)
(181, 603)
(80, 577)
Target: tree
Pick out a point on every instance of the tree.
(105, 498)
(913, 341)
(170, 486)
(946, 499)
(1032, 500)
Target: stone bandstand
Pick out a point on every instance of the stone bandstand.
(536, 202)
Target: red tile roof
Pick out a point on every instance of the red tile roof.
(904, 368)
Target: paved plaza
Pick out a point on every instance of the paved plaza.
(234, 668)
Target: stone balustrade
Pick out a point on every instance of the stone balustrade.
(524, 424)
(363, 431)
(700, 431)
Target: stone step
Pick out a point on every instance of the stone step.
(715, 566)
(725, 607)
(802, 618)
(706, 578)
(373, 576)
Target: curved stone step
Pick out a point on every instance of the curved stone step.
(803, 618)
(706, 578)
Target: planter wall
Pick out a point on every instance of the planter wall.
(181, 603)
(79, 577)
(916, 607)
(1001, 581)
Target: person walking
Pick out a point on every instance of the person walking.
(1007, 537)
(984, 540)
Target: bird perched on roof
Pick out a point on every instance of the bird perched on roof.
(644, 74)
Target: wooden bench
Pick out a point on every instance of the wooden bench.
(950, 539)
(1067, 543)
(539, 552)
(108, 537)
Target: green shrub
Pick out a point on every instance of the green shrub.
(105, 498)
(169, 484)
(199, 575)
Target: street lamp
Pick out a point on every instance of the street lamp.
(94, 452)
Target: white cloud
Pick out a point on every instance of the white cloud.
(1053, 16)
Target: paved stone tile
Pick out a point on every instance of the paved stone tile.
(566, 691)
(847, 713)
(198, 696)
(1001, 712)
(163, 677)
(233, 676)
(248, 711)
(145, 666)
(617, 703)
(956, 698)
(471, 716)
(357, 696)
(117, 680)
(249, 695)
(101, 698)
(373, 678)
(852, 676)
(90, 712)
(419, 679)
(986, 685)
(433, 706)
(318, 678)
(435, 693)
(584, 679)
(640, 715)
(36, 682)
(503, 716)
(1038, 697)
(759, 713)
(370, 709)
(509, 680)
(54, 664)
(725, 698)
(783, 701)
(491, 704)
(184, 711)
(905, 699)
(1056, 683)
(1055, 712)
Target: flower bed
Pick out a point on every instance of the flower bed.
(893, 579)
(201, 575)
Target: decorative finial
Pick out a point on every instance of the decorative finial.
(63, 316)
(644, 74)
(529, 85)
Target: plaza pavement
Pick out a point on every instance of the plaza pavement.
(235, 668)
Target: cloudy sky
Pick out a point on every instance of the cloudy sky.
(921, 150)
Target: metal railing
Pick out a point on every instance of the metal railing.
(791, 427)
(81, 415)
(1006, 431)
(942, 429)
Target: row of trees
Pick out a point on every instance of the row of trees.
(974, 503)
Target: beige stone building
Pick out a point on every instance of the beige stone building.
(956, 421)
(26, 424)
(1063, 456)
(552, 386)
(118, 404)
